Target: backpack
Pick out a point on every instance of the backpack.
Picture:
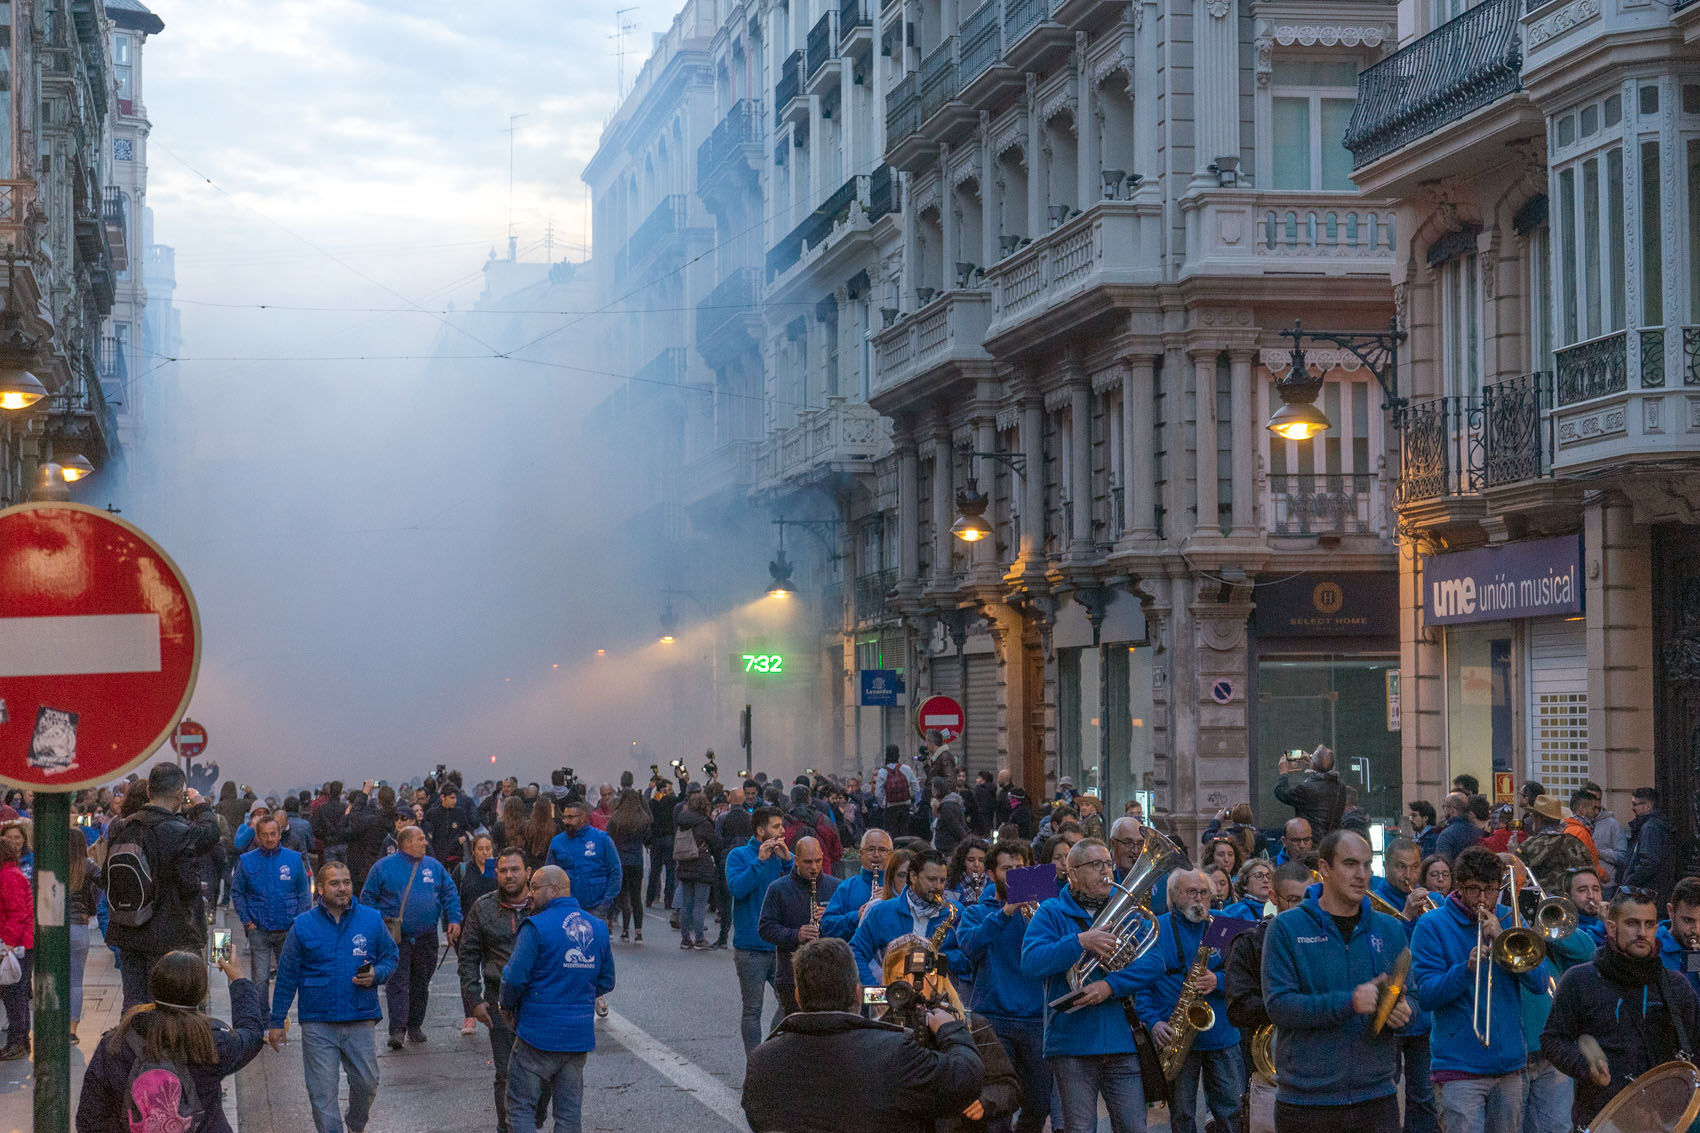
(131, 887)
(896, 786)
(686, 848)
(159, 1097)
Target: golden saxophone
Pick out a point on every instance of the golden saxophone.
(944, 926)
(1190, 1016)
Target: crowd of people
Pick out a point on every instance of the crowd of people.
(1001, 1011)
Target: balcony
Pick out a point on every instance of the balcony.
(730, 157)
(869, 593)
(789, 86)
(822, 47)
(1624, 397)
(111, 365)
(824, 444)
(949, 331)
(1061, 277)
(665, 369)
(982, 41)
(729, 318)
(1463, 446)
(666, 221)
(1462, 66)
(1238, 233)
(939, 79)
(113, 213)
(1324, 503)
(883, 193)
(903, 122)
(817, 228)
(853, 17)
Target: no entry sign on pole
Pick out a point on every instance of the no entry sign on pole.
(100, 643)
(189, 739)
(941, 714)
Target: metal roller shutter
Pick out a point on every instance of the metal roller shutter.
(1558, 704)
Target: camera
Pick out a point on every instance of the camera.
(710, 771)
(568, 782)
(442, 769)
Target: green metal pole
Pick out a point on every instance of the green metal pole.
(52, 962)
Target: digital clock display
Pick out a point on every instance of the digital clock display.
(767, 664)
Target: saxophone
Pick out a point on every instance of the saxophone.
(1190, 1016)
(950, 912)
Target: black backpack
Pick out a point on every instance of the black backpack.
(132, 886)
(159, 1096)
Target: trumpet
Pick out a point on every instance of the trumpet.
(1554, 917)
(1518, 949)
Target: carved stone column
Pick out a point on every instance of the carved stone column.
(1245, 430)
(944, 505)
(908, 507)
(1080, 544)
(1215, 84)
(1206, 524)
(1139, 442)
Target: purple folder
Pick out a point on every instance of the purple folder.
(1031, 883)
(1222, 931)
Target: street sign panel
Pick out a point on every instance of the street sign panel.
(941, 714)
(881, 687)
(100, 644)
(189, 739)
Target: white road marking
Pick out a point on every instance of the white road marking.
(676, 1068)
(79, 645)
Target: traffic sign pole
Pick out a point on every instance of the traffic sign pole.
(52, 985)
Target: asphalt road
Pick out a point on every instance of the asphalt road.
(668, 1053)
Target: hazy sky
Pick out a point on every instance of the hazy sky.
(388, 562)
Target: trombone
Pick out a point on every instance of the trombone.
(1518, 949)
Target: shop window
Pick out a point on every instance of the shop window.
(1338, 701)
(1479, 717)
(1105, 721)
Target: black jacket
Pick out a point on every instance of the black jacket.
(784, 910)
(736, 827)
(1609, 1007)
(1652, 856)
(705, 867)
(177, 847)
(661, 824)
(1242, 978)
(445, 826)
(1000, 1091)
(985, 809)
(365, 828)
(1319, 798)
(487, 934)
(828, 1071)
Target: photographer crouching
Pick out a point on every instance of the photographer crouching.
(796, 1082)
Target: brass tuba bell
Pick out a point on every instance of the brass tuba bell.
(1127, 916)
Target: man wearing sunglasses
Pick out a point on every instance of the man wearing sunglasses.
(1638, 1013)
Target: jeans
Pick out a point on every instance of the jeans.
(1483, 1105)
(1082, 1078)
(534, 1073)
(327, 1048)
(264, 947)
(755, 971)
(1220, 1070)
(1024, 1041)
(79, 958)
(693, 908)
(1547, 1097)
(134, 966)
(1420, 1113)
(16, 998)
(1378, 1116)
(661, 863)
(408, 990)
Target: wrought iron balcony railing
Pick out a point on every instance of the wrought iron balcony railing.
(1460, 67)
(789, 85)
(1021, 16)
(982, 40)
(852, 14)
(1457, 446)
(1593, 369)
(818, 225)
(1517, 446)
(903, 109)
(668, 218)
(822, 43)
(870, 591)
(1324, 503)
(939, 83)
(738, 128)
(882, 193)
(737, 295)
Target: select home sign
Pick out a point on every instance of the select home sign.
(1535, 578)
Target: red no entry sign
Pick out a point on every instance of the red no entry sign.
(189, 739)
(100, 643)
(940, 714)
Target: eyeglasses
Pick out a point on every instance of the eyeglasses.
(1124, 841)
(1095, 864)
(1475, 887)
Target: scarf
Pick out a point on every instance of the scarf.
(1625, 970)
(972, 888)
(921, 911)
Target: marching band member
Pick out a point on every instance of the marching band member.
(1324, 966)
(991, 940)
(843, 912)
(1401, 890)
(1481, 1081)
(1638, 1013)
(1256, 885)
(1127, 838)
(1679, 937)
(1548, 1094)
(1242, 971)
(1586, 892)
(791, 913)
(920, 910)
(1158, 978)
(1091, 1049)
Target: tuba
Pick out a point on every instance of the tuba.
(1128, 916)
(1263, 1052)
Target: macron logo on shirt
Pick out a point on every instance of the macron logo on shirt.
(1313, 940)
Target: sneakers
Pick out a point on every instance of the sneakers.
(719, 946)
(395, 1041)
(673, 920)
(469, 1026)
(15, 1051)
(640, 936)
(602, 1007)
(415, 1034)
(702, 946)
(685, 943)
(624, 936)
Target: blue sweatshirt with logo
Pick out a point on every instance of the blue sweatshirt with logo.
(1326, 1055)
(1050, 948)
(592, 864)
(840, 918)
(432, 897)
(1445, 984)
(1158, 975)
(270, 888)
(319, 959)
(1421, 1021)
(992, 942)
(560, 963)
(747, 877)
(889, 920)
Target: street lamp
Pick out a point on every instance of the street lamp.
(669, 623)
(75, 467)
(20, 389)
(780, 570)
(1299, 418)
(971, 525)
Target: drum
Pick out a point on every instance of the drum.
(1665, 1098)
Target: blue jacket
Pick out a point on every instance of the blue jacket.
(433, 897)
(1443, 980)
(1250, 909)
(1421, 1021)
(1157, 978)
(561, 962)
(592, 864)
(840, 918)
(320, 956)
(747, 877)
(1309, 973)
(1047, 953)
(1594, 927)
(270, 888)
(1458, 835)
(891, 919)
(243, 838)
(992, 943)
(1671, 954)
